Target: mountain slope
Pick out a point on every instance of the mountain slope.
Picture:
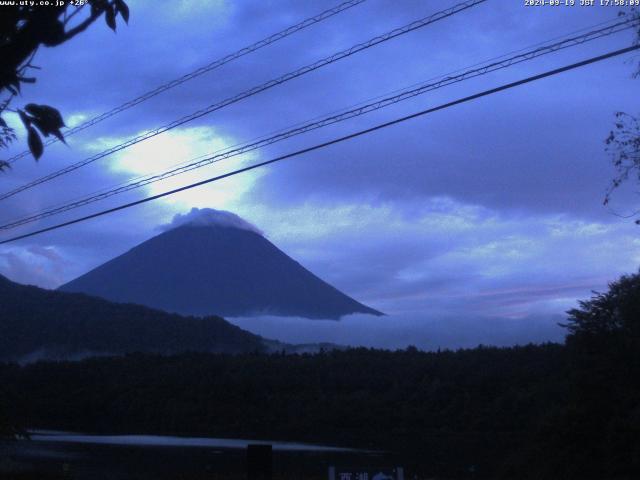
(37, 322)
(214, 269)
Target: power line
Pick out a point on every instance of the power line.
(334, 141)
(202, 70)
(255, 90)
(362, 109)
(588, 28)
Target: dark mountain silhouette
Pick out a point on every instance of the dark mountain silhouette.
(204, 269)
(37, 323)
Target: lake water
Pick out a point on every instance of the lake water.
(53, 436)
(80, 456)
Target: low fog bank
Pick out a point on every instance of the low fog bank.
(61, 355)
(401, 330)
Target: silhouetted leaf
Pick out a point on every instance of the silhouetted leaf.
(123, 9)
(3, 124)
(35, 143)
(59, 136)
(49, 115)
(97, 7)
(26, 120)
(47, 119)
(110, 18)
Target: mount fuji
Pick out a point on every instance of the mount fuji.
(211, 262)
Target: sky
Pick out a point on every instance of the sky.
(481, 223)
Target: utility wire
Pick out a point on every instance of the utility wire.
(592, 29)
(253, 91)
(362, 102)
(204, 160)
(334, 141)
(202, 70)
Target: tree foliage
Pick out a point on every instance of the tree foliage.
(615, 313)
(601, 420)
(623, 143)
(445, 411)
(23, 30)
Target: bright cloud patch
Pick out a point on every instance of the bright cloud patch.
(162, 151)
(178, 148)
(75, 119)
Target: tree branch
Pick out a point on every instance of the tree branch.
(75, 12)
(81, 27)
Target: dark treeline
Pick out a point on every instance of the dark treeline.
(504, 411)
(36, 322)
(457, 408)
(547, 411)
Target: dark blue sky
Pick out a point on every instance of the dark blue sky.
(486, 218)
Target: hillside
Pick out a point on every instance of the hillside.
(42, 323)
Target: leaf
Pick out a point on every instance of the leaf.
(110, 18)
(33, 109)
(4, 165)
(3, 124)
(59, 136)
(35, 143)
(97, 7)
(47, 119)
(47, 114)
(26, 120)
(123, 9)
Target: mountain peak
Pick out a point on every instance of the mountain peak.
(210, 217)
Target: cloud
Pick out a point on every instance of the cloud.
(34, 265)
(443, 257)
(203, 217)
